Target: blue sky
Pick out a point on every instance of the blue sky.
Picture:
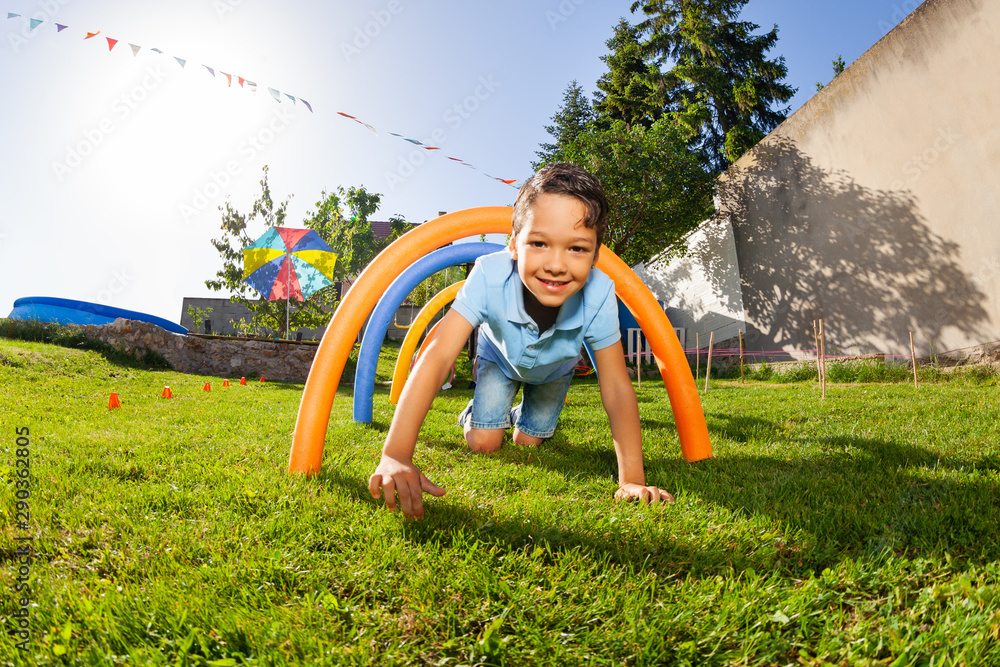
(114, 164)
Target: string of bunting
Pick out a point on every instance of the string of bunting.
(508, 181)
(245, 83)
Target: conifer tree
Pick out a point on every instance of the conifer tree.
(626, 91)
(573, 118)
(720, 83)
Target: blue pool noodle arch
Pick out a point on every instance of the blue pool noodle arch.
(384, 311)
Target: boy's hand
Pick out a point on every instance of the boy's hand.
(404, 479)
(647, 494)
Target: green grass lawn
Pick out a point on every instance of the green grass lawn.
(857, 530)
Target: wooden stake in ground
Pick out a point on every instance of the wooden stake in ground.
(913, 358)
(819, 371)
(708, 367)
(741, 356)
(638, 359)
(697, 356)
(822, 357)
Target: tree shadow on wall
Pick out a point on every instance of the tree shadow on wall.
(813, 244)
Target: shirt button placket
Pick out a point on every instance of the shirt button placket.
(529, 350)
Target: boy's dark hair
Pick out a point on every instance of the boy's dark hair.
(564, 178)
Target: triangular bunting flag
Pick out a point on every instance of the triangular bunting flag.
(253, 87)
(35, 23)
(290, 97)
(242, 81)
(111, 43)
(135, 49)
(347, 115)
(92, 34)
(229, 77)
(275, 94)
(157, 50)
(513, 182)
(60, 27)
(12, 15)
(308, 106)
(210, 70)
(180, 60)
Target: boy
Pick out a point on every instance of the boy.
(537, 301)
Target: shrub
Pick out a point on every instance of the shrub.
(801, 372)
(761, 372)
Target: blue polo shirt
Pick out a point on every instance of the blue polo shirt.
(492, 296)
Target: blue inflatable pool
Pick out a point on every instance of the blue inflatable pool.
(68, 311)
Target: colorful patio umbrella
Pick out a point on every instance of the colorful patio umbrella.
(288, 264)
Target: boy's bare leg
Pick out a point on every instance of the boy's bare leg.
(483, 440)
(526, 440)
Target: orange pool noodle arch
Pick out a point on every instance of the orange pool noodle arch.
(417, 326)
(308, 440)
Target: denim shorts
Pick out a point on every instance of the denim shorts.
(491, 405)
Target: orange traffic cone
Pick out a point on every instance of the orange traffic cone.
(243, 381)
(261, 378)
(113, 401)
(208, 387)
(166, 393)
(225, 383)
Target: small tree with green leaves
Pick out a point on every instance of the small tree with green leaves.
(198, 315)
(348, 233)
(838, 67)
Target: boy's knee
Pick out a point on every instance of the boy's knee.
(484, 441)
(525, 440)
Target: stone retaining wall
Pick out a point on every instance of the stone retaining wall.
(221, 357)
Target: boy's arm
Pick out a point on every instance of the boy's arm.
(396, 473)
(620, 403)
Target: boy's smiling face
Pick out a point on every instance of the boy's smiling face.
(555, 250)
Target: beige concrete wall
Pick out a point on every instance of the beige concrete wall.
(875, 206)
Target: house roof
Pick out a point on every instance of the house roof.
(384, 229)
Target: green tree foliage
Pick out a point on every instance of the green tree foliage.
(838, 67)
(626, 92)
(573, 118)
(352, 238)
(348, 233)
(720, 84)
(433, 284)
(658, 189)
